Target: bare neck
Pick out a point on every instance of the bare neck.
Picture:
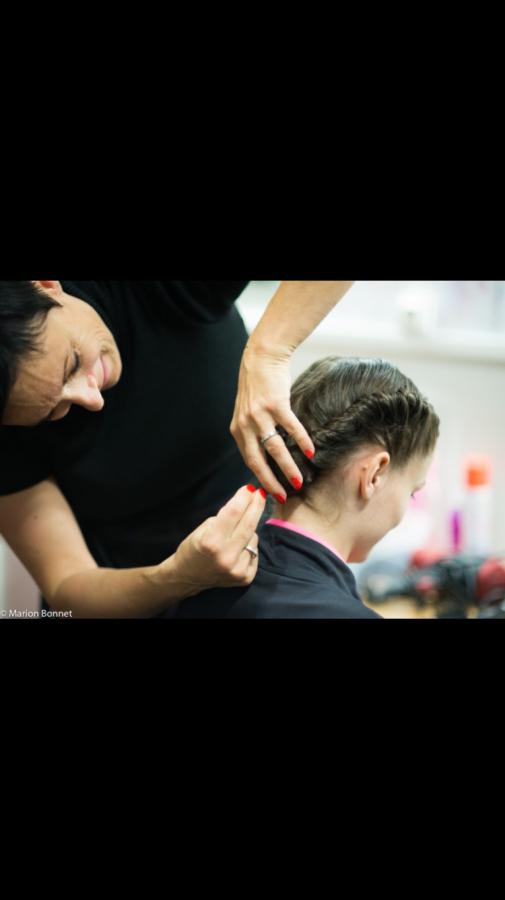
(332, 528)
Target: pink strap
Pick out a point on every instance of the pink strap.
(289, 525)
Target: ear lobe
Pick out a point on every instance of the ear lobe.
(365, 485)
(369, 490)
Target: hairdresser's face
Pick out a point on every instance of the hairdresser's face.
(384, 497)
(79, 359)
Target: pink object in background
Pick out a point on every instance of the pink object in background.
(456, 531)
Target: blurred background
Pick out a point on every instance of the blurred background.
(449, 338)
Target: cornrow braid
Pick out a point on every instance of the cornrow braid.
(348, 403)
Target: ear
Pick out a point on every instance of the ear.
(50, 286)
(372, 471)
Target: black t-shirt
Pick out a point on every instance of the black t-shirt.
(297, 578)
(159, 458)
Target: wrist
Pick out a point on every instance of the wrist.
(168, 581)
(261, 347)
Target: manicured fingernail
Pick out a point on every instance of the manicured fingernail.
(251, 488)
(263, 493)
(296, 483)
(280, 498)
(309, 454)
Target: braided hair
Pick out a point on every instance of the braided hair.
(346, 403)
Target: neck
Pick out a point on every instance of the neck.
(334, 530)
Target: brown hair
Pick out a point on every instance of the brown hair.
(346, 403)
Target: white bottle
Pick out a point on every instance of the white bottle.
(477, 519)
(418, 306)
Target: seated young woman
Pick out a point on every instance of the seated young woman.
(374, 435)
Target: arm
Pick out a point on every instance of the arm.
(41, 529)
(293, 313)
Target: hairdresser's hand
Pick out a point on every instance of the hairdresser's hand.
(263, 402)
(214, 555)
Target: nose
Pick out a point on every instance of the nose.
(84, 391)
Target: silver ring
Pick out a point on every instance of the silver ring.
(251, 550)
(267, 438)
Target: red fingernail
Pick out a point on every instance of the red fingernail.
(263, 493)
(251, 488)
(280, 498)
(309, 453)
(296, 483)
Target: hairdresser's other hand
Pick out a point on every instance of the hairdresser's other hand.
(214, 555)
(262, 403)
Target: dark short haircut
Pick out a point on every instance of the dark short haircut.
(347, 403)
(23, 311)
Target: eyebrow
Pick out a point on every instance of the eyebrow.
(47, 418)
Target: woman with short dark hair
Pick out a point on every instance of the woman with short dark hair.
(122, 489)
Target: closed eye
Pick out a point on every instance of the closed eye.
(73, 371)
(75, 367)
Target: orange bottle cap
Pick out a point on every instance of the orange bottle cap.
(478, 471)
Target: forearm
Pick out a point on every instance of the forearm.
(293, 313)
(121, 593)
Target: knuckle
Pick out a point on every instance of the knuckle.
(276, 448)
(208, 542)
(208, 545)
(225, 563)
(254, 409)
(248, 578)
(254, 465)
(240, 579)
(234, 508)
